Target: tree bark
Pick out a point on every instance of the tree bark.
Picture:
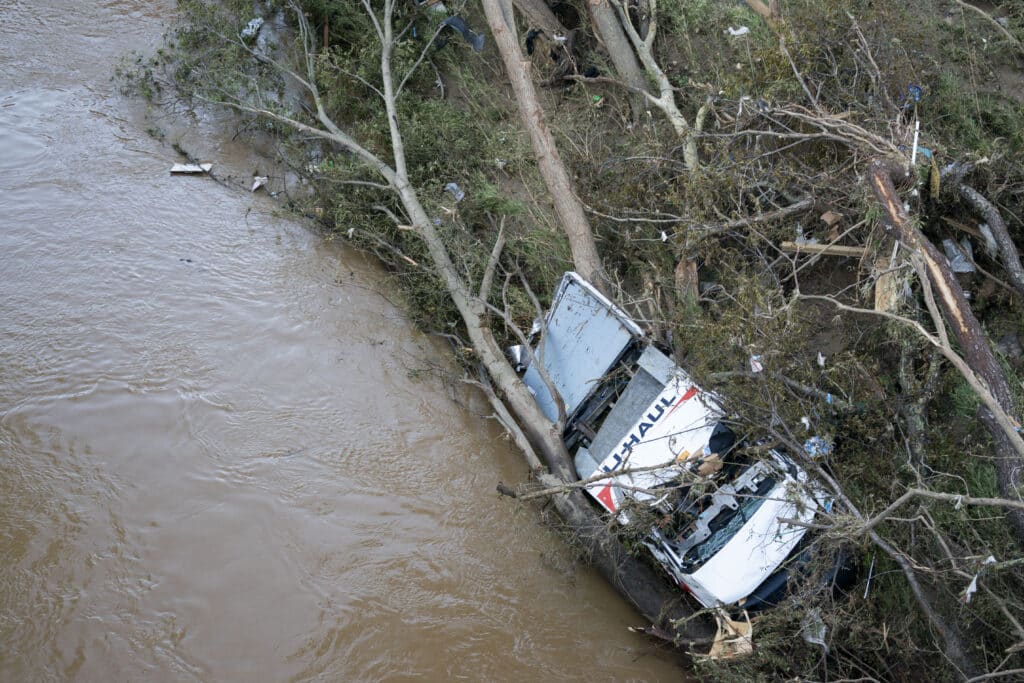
(1008, 253)
(570, 213)
(539, 15)
(611, 33)
(976, 349)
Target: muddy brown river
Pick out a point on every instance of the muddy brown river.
(220, 458)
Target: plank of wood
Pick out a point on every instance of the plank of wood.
(191, 168)
(826, 249)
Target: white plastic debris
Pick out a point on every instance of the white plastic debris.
(755, 364)
(736, 32)
(455, 191)
(185, 169)
(664, 236)
(972, 587)
(813, 629)
(960, 256)
(871, 573)
(917, 134)
(252, 28)
(817, 447)
(821, 359)
(351, 232)
(991, 246)
(806, 422)
(258, 181)
(800, 239)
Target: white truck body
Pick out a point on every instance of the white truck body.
(632, 410)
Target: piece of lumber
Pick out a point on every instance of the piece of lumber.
(888, 291)
(191, 168)
(826, 249)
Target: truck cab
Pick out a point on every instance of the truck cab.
(666, 459)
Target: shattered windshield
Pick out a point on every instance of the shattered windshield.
(700, 526)
(727, 523)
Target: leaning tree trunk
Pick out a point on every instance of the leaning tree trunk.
(975, 347)
(567, 206)
(539, 15)
(610, 31)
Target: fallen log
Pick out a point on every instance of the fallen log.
(824, 249)
(976, 349)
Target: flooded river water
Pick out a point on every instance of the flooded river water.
(217, 459)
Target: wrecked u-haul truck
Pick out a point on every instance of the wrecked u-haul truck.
(712, 518)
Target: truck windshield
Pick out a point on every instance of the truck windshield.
(727, 523)
(697, 536)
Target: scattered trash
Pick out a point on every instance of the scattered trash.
(733, 638)
(829, 399)
(755, 364)
(736, 32)
(351, 232)
(191, 168)
(821, 359)
(991, 246)
(972, 588)
(813, 629)
(518, 356)
(455, 191)
(800, 239)
(871, 573)
(960, 256)
(664, 236)
(817, 446)
(258, 181)
(806, 422)
(475, 40)
(917, 135)
(252, 29)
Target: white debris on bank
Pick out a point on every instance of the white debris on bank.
(185, 169)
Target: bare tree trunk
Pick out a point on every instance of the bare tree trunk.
(666, 99)
(539, 15)
(610, 31)
(567, 206)
(967, 330)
